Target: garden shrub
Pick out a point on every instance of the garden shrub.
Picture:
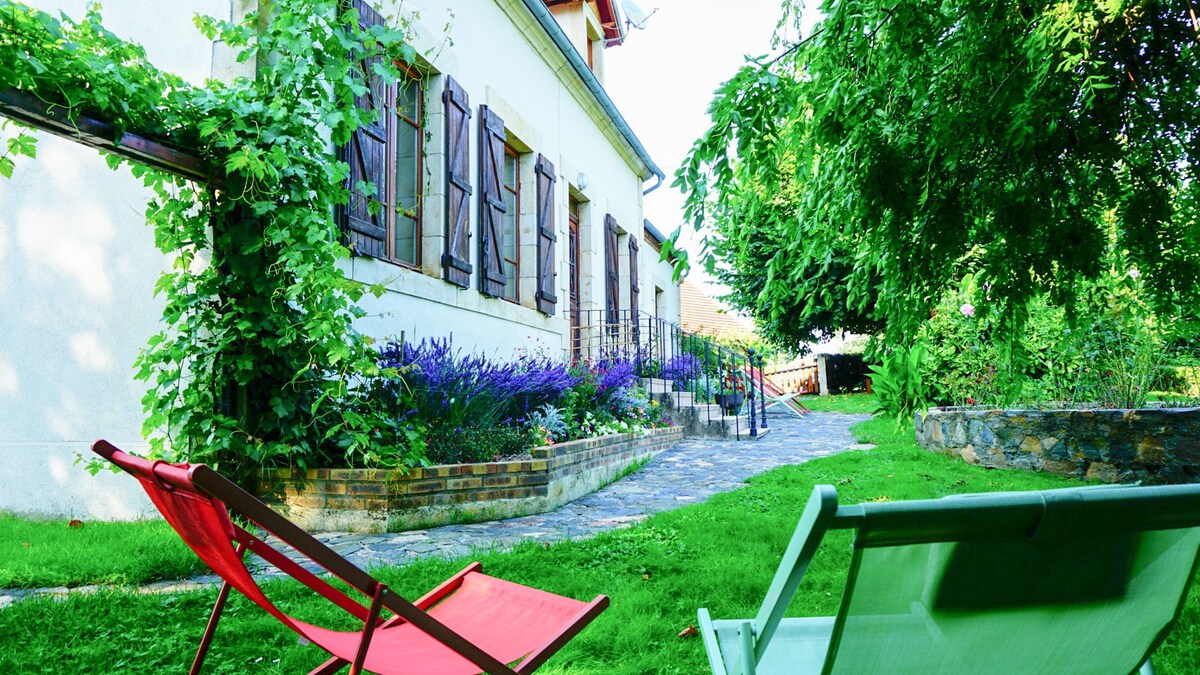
(1108, 353)
(468, 445)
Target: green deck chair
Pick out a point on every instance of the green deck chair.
(1080, 580)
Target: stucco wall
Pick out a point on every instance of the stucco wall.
(76, 295)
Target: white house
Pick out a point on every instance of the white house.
(515, 189)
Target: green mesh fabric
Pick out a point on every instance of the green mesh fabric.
(1063, 604)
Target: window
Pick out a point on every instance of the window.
(512, 228)
(405, 228)
(383, 217)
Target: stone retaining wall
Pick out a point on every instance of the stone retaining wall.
(371, 500)
(1152, 445)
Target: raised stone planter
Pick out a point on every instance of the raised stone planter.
(369, 500)
(1152, 445)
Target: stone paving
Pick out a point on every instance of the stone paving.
(687, 473)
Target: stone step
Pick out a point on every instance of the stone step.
(737, 427)
(656, 385)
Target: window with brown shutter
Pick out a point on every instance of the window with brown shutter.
(612, 284)
(456, 260)
(383, 217)
(546, 236)
(491, 203)
(364, 219)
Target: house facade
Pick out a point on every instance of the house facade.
(510, 190)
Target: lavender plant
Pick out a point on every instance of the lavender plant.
(682, 369)
(454, 390)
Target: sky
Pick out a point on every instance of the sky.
(662, 79)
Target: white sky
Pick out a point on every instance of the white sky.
(663, 77)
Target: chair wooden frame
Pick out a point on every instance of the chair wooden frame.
(226, 495)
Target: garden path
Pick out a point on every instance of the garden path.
(687, 473)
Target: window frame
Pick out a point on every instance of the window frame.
(395, 121)
(513, 284)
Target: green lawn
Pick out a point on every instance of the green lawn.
(843, 403)
(43, 553)
(720, 554)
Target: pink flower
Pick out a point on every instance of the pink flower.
(1134, 273)
(967, 309)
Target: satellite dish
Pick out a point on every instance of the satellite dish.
(634, 16)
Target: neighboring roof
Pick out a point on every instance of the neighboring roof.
(609, 19)
(560, 39)
(653, 232)
(704, 315)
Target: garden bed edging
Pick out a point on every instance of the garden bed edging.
(380, 500)
(1151, 445)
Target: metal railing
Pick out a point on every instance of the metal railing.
(724, 385)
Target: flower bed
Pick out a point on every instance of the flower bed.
(376, 500)
(1152, 445)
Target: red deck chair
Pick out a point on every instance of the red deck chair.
(776, 395)
(472, 623)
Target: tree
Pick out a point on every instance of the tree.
(913, 142)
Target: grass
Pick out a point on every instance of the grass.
(720, 554)
(842, 403)
(44, 553)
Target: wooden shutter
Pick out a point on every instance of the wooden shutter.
(633, 274)
(491, 203)
(456, 260)
(547, 238)
(612, 280)
(364, 219)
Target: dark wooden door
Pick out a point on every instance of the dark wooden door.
(573, 271)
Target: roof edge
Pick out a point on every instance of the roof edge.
(550, 25)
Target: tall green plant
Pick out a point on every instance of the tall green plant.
(899, 384)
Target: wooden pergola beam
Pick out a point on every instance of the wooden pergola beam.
(30, 110)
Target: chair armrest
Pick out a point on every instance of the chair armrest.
(816, 519)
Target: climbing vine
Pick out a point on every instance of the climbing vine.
(258, 362)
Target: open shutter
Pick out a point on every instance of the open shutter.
(364, 219)
(491, 203)
(633, 274)
(456, 260)
(634, 317)
(612, 284)
(547, 238)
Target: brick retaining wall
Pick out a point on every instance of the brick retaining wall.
(1152, 445)
(375, 500)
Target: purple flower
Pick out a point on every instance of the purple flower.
(447, 386)
(681, 368)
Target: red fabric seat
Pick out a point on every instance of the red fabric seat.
(472, 623)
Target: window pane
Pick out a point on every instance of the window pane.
(406, 239)
(408, 99)
(408, 191)
(510, 289)
(510, 225)
(510, 171)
